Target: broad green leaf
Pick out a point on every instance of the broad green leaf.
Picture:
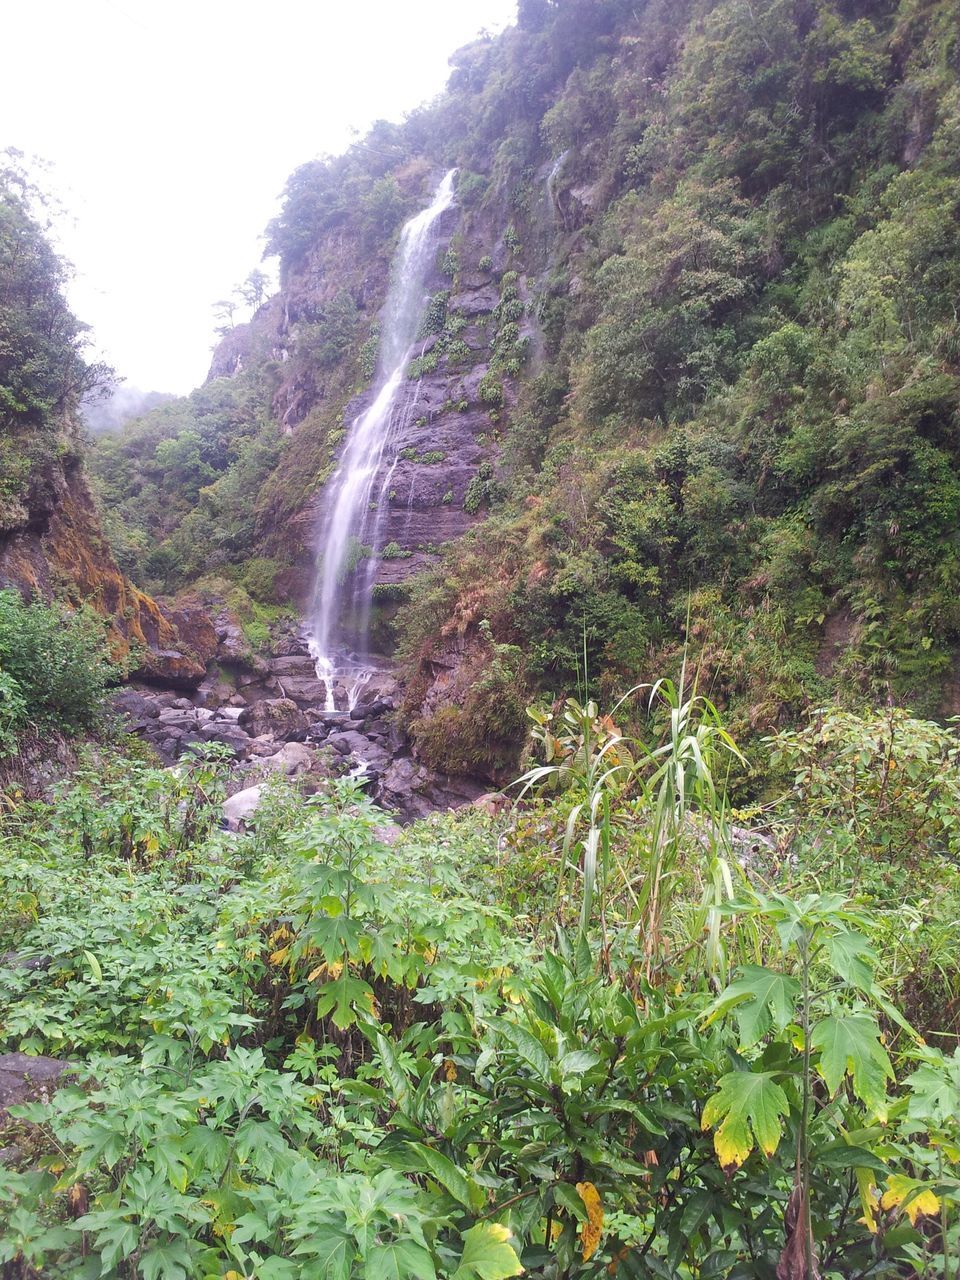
(844, 1155)
(166, 1262)
(488, 1254)
(401, 1260)
(577, 1062)
(94, 965)
(748, 1107)
(935, 1089)
(851, 958)
(849, 1044)
(759, 999)
(443, 1170)
(114, 1241)
(569, 1198)
(341, 996)
(331, 1253)
(527, 1047)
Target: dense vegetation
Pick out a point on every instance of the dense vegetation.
(179, 486)
(744, 429)
(54, 670)
(594, 1036)
(43, 370)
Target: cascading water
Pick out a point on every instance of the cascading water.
(349, 538)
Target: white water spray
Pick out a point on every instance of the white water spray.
(350, 531)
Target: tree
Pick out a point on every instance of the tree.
(254, 289)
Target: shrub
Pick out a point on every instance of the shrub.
(394, 551)
(55, 667)
(491, 389)
(259, 579)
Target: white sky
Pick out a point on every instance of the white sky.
(172, 127)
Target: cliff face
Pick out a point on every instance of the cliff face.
(60, 549)
(320, 335)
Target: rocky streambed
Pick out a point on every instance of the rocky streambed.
(269, 714)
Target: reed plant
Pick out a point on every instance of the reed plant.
(635, 806)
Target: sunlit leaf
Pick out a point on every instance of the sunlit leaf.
(759, 1000)
(747, 1107)
(849, 1045)
(488, 1254)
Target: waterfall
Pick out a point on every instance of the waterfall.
(343, 588)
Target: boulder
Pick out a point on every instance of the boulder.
(280, 717)
(241, 807)
(131, 703)
(26, 1079)
(214, 692)
(329, 719)
(291, 759)
(231, 642)
(293, 665)
(493, 802)
(172, 718)
(361, 748)
(196, 630)
(291, 647)
(305, 692)
(228, 733)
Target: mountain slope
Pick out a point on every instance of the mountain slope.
(51, 540)
(692, 350)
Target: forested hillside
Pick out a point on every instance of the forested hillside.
(699, 311)
(52, 544)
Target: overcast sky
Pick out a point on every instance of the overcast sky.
(172, 126)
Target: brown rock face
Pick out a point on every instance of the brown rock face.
(61, 548)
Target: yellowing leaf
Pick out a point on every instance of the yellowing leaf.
(592, 1229)
(921, 1203)
(278, 957)
(747, 1106)
(449, 1070)
(488, 1254)
(868, 1198)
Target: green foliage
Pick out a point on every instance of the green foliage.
(301, 1051)
(55, 668)
(43, 372)
(484, 489)
(180, 486)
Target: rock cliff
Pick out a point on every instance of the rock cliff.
(59, 549)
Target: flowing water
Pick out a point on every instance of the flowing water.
(349, 543)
